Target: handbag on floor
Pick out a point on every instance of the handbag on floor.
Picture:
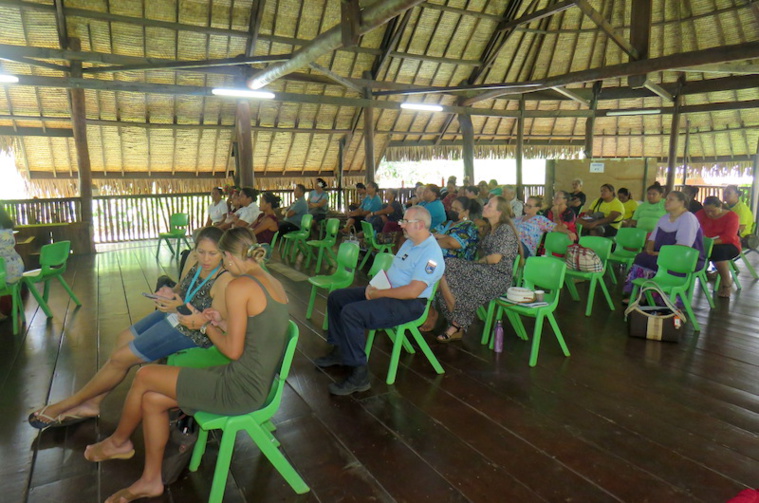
(183, 434)
(656, 323)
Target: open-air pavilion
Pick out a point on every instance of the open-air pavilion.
(122, 111)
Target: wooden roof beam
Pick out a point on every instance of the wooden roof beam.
(186, 65)
(60, 24)
(36, 131)
(256, 14)
(607, 28)
(373, 16)
(337, 78)
(572, 95)
(723, 54)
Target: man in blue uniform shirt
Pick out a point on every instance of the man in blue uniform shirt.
(417, 266)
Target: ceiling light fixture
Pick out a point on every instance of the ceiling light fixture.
(422, 106)
(644, 111)
(8, 79)
(243, 93)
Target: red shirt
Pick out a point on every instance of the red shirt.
(724, 227)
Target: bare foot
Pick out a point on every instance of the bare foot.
(108, 449)
(140, 489)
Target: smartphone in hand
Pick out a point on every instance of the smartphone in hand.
(183, 309)
(155, 296)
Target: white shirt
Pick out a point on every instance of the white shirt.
(217, 212)
(249, 213)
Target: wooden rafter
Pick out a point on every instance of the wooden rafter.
(607, 28)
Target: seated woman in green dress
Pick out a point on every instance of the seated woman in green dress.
(461, 236)
(253, 336)
(648, 213)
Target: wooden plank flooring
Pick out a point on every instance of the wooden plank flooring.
(620, 420)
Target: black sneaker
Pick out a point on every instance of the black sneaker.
(358, 380)
(331, 359)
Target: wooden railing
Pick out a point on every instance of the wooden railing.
(130, 218)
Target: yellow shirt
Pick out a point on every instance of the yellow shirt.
(745, 216)
(606, 208)
(630, 206)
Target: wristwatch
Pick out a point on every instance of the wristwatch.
(204, 327)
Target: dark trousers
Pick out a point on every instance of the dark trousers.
(350, 315)
(285, 227)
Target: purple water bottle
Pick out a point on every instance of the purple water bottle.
(498, 336)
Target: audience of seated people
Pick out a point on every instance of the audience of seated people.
(693, 203)
(417, 196)
(386, 218)
(532, 226)
(218, 209)
(484, 193)
(625, 197)
(460, 235)
(731, 196)
(677, 227)
(318, 200)
(295, 212)
(431, 201)
(517, 206)
(369, 203)
(649, 212)
(467, 285)
(603, 217)
(266, 225)
(562, 214)
(247, 211)
(451, 193)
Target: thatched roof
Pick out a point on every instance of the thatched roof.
(163, 122)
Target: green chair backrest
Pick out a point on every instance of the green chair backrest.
(631, 238)
(382, 261)
(423, 317)
(331, 230)
(178, 221)
(3, 275)
(602, 246)
(368, 231)
(53, 257)
(347, 260)
(545, 273)
(271, 404)
(306, 221)
(556, 244)
(676, 259)
(708, 247)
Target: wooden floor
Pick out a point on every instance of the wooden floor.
(620, 420)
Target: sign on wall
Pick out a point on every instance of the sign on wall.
(596, 167)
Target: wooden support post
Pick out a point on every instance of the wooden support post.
(754, 202)
(369, 136)
(342, 144)
(244, 145)
(79, 127)
(673, 139)
(686, 152)
(590, 122)
(467, 131)
(520, 148)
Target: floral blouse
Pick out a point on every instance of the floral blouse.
(467, 234)
(531, 231)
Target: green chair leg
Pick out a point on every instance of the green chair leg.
(224, 460)
(417, 335)
(366, 258)
(487, 330)
(39, 299)
(311, 301)
(558, 334)
(278, 460)
(704, 282)
(689, 310)
(536, 334)
(69, 290)
(198, 450)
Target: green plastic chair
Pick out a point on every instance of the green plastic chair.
(382, 262)
(397, 335)
(372, 246)
(486, 313)
(700, 275)
(679, 260)
(540, 273)
(734, 271)
(630, 242)
(272, 245)
(556, 244)
(347, 258)
(53, 258)
(14, 290)
(324, 245)
(178, 223)
(296, 240)
(602, 247)
(256, 424)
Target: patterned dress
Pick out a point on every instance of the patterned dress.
(467, 234)
(14, 266)
(531, 231)
(474, 284)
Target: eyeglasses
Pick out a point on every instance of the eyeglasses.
(530, 206)
(404, 221)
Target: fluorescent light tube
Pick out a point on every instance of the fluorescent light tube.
(243, 93)
(645, 111)
(8, 79)
(422, 106)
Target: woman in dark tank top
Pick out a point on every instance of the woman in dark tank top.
(241, 386)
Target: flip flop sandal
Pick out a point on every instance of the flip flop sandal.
(63, 421)
(126, 495)
(99, 457)
(445, 337)
(36, 419)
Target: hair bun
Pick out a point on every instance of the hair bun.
(256, 251)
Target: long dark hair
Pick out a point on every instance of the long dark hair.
(211, 233)
(6, 222)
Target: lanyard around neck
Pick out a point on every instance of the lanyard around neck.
(192, 291)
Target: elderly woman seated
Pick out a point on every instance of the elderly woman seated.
(677, 227)
(461, 236)
(532, 226)
(721, 224)
(467, 285)
(562, 214)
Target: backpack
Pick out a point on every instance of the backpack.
(579, 258)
